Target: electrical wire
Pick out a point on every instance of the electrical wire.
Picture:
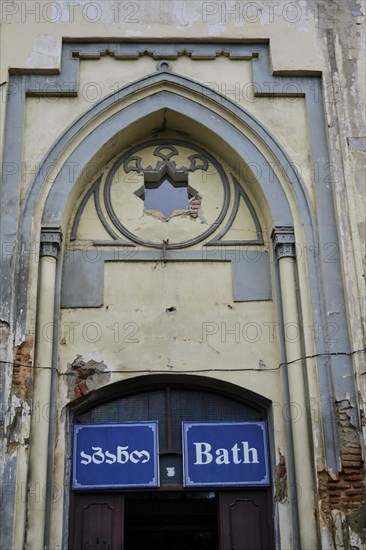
(191, 371)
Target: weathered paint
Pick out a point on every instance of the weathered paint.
(305, 41)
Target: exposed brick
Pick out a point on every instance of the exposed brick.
(353, 505)
(352, 492)
(351, 463)
(356, 501)
(335, 494)
(22, 374)
(83, 387)
(348, 492)
(350, 457)
(352, 472)
(351, 451)
(343, 486)
(354, 477)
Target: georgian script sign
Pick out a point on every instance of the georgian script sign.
(225, 454)
(115, 455)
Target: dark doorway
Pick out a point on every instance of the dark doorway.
(171, 520)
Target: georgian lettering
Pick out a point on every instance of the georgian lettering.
(122, 455)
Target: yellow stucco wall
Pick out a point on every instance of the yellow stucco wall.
(136, 331)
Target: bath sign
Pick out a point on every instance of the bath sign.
(225, 454)
(115, 455)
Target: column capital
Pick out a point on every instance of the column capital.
(51, 238)
(283, 238)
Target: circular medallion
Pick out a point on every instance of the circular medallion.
(166, 193)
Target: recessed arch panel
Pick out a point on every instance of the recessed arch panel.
(57, 200)
(168, 95)
(176, 102)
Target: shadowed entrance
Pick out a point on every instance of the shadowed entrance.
(179, 520)
(172, 517)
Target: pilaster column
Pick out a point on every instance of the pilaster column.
(41, 407)
(285, 250)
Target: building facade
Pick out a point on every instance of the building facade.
(183, 241)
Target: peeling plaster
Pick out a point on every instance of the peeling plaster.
(16, 424)
(281, 479)
(356, 523)
(45, 52)
(89, 371)
(85, 376)
(347, 423)
(22, 374)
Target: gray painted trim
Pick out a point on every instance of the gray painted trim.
(164, 50)
(239, 194)
(101, 216)
(8, 489)
(196, 114)
(284, 242)
(50, 243)
(52, 405)
(82, 281)
(336, 379)
(81, 209)
(325, 281)
(336, 374)
(171, 246)
(95, 190)
(159, 101)
(9, 201)
(10, 191)
(292, 486)
(217, 241)
(83, 278)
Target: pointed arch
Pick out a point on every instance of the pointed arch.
(199, 110)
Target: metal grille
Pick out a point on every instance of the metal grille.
(170, 406)
(199, 406)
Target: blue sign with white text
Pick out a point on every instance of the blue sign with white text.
(225, 454)
(115, 455)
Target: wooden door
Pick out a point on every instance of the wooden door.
(245, 520)
(97, 522)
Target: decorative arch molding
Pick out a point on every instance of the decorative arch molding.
(56, 202)
(161, 100)
(335, 372)
(326, 289)
(199, 160)
(175, 103)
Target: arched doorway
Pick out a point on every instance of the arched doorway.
(172, 516)
(223, 282)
